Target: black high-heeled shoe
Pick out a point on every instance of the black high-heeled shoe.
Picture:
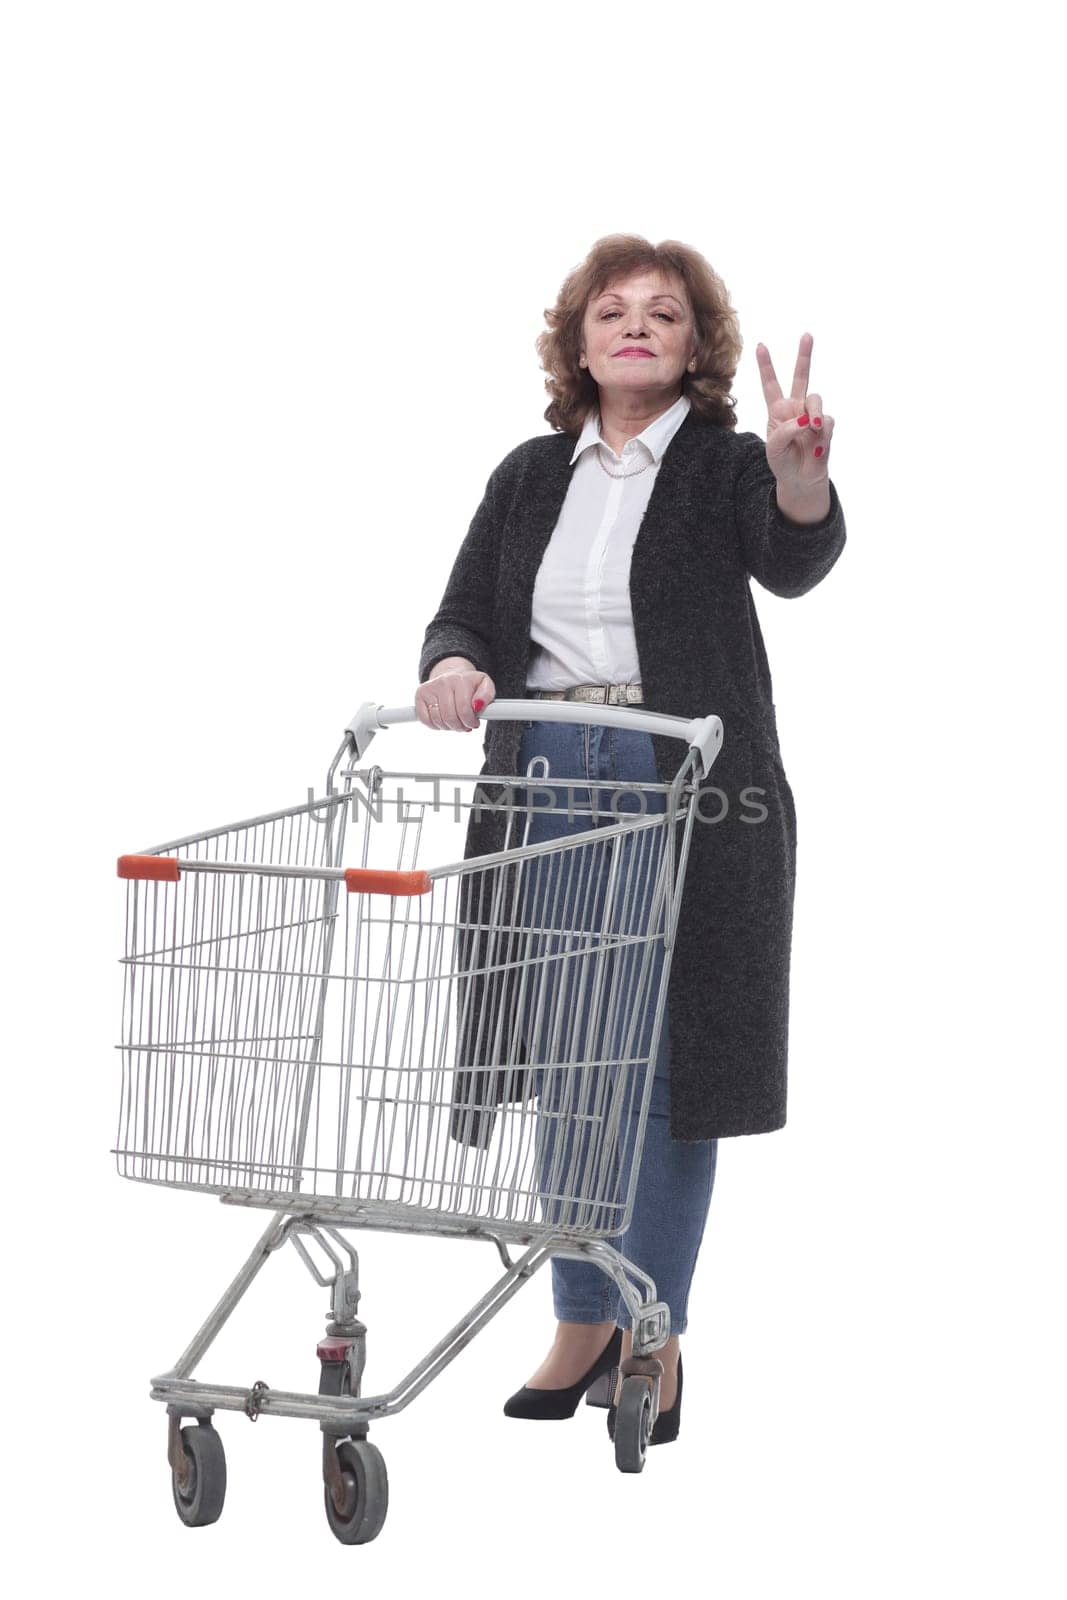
(665, 1427)
(552, 1405)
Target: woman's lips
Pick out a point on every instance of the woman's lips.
(634, 355)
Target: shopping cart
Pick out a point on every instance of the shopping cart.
(463, 1050)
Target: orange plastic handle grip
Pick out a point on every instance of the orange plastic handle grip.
(365, 880)
(161, 869)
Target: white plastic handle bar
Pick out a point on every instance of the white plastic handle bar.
(702, 734)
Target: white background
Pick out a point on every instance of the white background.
(272, 280)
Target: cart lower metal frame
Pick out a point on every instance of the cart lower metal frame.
(342, 1414)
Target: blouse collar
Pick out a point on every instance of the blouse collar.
(656, 437)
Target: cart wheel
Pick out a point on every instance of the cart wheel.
(200, 1502)
(633, 1424)
(366, 1486)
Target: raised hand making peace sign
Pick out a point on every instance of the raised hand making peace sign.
(798, 436)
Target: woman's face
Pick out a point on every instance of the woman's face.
(638, 336)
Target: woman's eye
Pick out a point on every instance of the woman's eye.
(665, 314)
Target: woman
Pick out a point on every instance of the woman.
(616, 552)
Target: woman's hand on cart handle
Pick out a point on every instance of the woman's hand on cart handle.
(453, 695)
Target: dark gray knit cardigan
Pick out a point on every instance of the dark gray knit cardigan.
(712, 522)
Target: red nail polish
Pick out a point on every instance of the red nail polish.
(803, 420)
(816, 422)
(818, 449)
(479, 705)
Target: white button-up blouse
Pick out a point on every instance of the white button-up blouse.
(581, 624)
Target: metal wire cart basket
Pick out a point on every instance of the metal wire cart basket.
(465, 1050)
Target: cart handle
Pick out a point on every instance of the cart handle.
(702, 734)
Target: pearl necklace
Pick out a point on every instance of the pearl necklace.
(632, 473)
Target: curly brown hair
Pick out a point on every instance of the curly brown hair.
(573, 389)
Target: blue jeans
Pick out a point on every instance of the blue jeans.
(675, 1179)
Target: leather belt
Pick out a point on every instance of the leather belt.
(599, 694)
(758, 724)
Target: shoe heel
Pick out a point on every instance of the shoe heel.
(601, 1391)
